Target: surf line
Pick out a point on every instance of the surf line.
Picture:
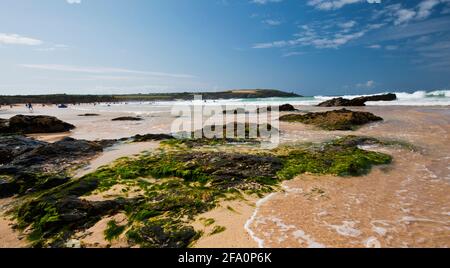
(252, 219)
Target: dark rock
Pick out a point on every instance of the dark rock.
(334, 120)
(360, 101)
(4, 125)
(151, 137)
(282, 108)
(15, 145)
(58, 153)
(35, 165)
(88, 115)
(385, 97)
(287, 108)
(8, 187)
(128, 118)
(27, 124)
(342, 102)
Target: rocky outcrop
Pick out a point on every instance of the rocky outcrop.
(127, 118)
(384, 97)
(27, 124)
(334, 120)
(31, 165)
(360, 101)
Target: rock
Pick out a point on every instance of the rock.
(4, 124)
(58, 153)
(334, 120)
(26, 124)
(34, 165)
(155, 236)
(287, 108)
(385, 97)
(282, 108)
(15, 145)
(360, 101)
(128, 118)
(8, 187)
(88, 115)
(229, 169)
(151, 137)
(342, 102)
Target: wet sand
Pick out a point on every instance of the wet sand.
(405, 204)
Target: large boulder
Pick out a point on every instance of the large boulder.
(360, 101)
(334, 120)
(27, 124)
(287, 108)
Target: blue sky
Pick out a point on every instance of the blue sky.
(312, 47)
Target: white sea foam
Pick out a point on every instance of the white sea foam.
(347, 228)
(252, 219)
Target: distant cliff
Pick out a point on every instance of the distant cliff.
(64, 98)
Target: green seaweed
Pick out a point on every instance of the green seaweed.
(217, 230)
(177, 185)
(113, 230)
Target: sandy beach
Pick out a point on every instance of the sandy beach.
(405, 204)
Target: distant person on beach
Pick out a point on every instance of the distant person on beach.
(30, 107)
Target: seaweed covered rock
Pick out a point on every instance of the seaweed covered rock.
(161, 235)
(334, 120)
(175, 186)
(335, 158)
(27, 124)
(233, 130)
(63, 216)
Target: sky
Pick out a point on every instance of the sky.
(311, 47)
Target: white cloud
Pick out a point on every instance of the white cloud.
(15, 39)
(348, 24)
(426, 7)
(337, 4)
(404, 16)
(99, 70)
(320, 36)
(399, 15)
